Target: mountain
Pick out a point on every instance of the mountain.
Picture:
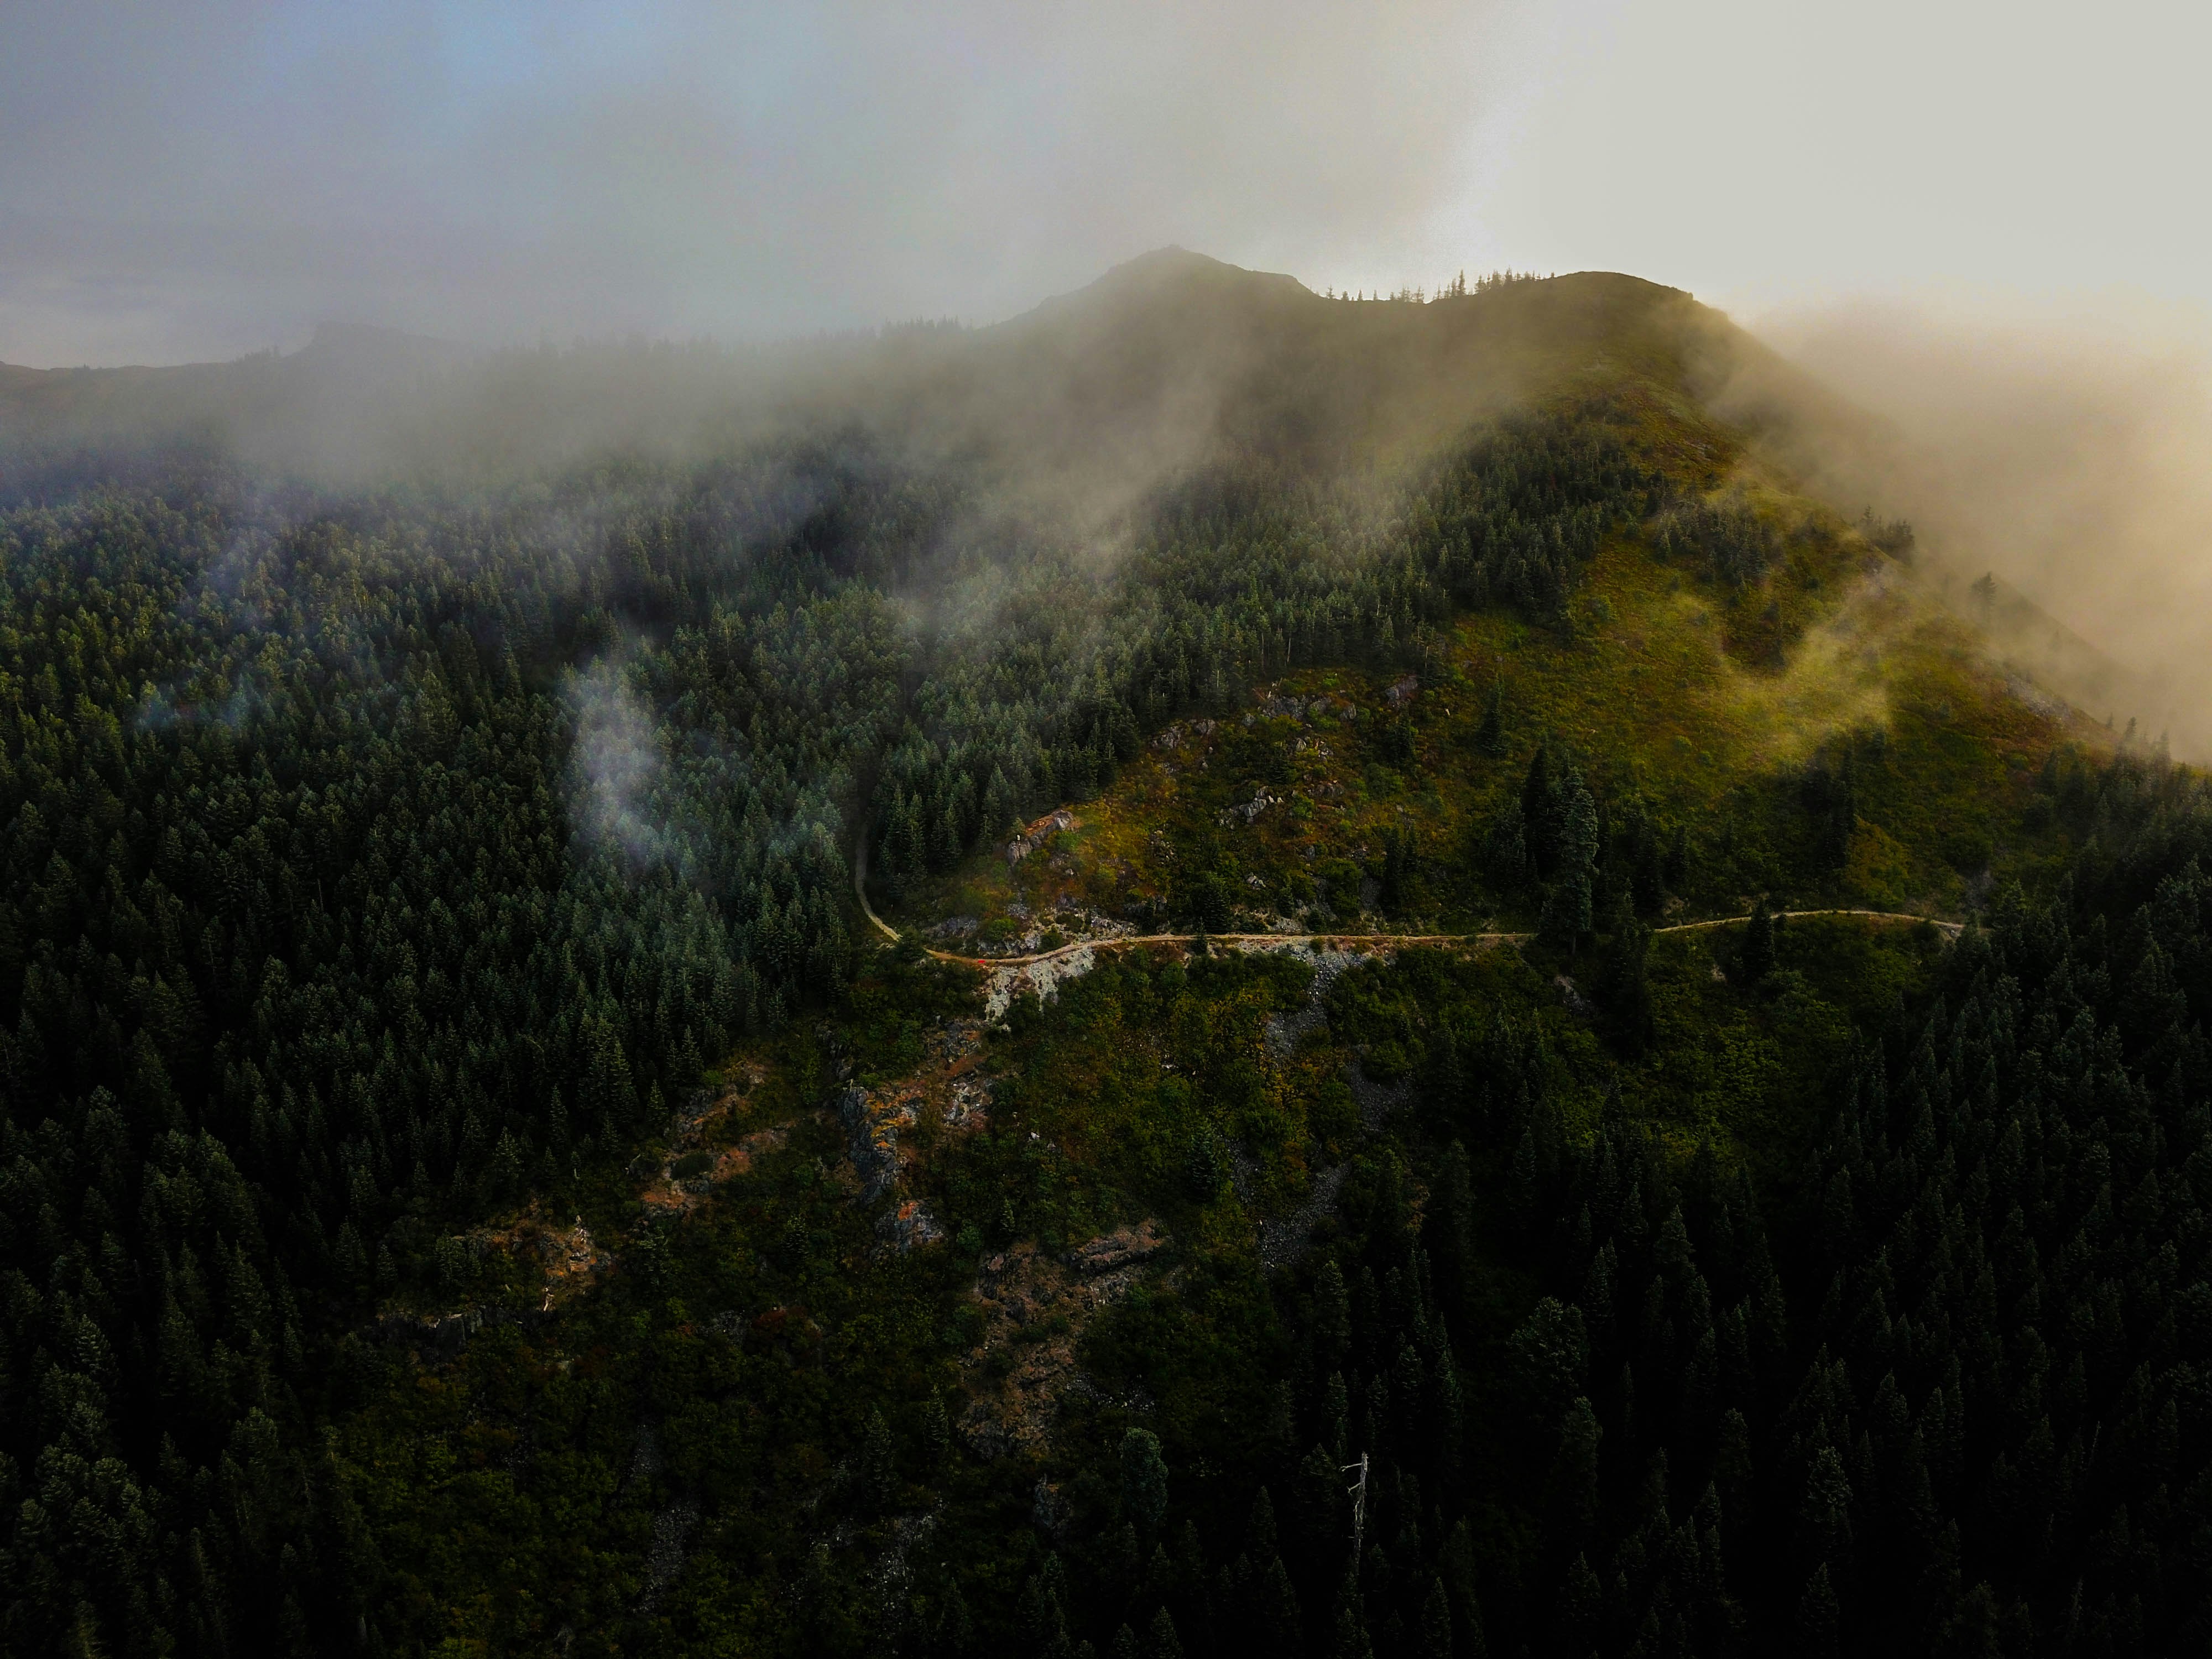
(1158, 361)
(311, 411)
(1217, 970)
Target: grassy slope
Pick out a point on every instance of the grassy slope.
(1706, 704)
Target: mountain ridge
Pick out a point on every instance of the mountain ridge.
(475, 1175)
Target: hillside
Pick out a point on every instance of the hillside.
(1163, 363)
(1214, 971)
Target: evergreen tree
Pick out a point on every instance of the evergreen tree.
(1819, 1620)
(1625, 987)
(1755, 955)
(1350, 1639)
(1541, 811)
(1571, 1491)
(1489, 734)
(878, 1463)
(1144, 1479)
(1435, 1640)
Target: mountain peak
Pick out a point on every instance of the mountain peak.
(358, 348)
(1170, 274)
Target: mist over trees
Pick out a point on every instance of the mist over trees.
(374, 860)
(382, 854)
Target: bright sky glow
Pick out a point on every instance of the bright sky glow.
(193, 182)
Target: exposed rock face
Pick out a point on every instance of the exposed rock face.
(738, 1159)
(1282, 1031)
(1248, 812)
(1377, 1100)
(1402, 692)
(671, 1537)
(440, 1333)
(967, 1104)
(1036, 1309)
(1035, 836)
(872, 1127)
(1049, 1512)
(909, 1223)
(1042, 977)
(948, 1091)
(1283, 1239)
(1122, 1248)
(689, 1171)
(1577, 1004)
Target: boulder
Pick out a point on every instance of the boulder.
(1124, 1247)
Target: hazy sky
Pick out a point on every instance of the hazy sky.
(195, 181)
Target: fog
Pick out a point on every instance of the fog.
(190, 182)
(184, 185)
(614, 763)
(2065, 450)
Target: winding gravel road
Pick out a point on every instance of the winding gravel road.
(1332, 940)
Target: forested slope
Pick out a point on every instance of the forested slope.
(390, 855)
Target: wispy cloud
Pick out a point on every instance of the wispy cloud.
(615, 764)
(218, 179)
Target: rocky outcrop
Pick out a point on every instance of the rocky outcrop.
(871, 1130)
(664, 1559)
(1283, 1238)
(441, 1336)
(1050, 1511)
(1037, 1309)
(1570, 993)
(949, 1091)
(1038, 833)
(1248, 812)
(1122, 1248)
(909, 1223)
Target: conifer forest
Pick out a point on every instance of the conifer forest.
(896, 998)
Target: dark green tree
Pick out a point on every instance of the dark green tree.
(1490, 735)
(1144, 1479)
(1755, 954)
(1570, 1490)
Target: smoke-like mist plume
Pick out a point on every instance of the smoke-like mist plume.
(210, 180)
(2069, 458)
(615, 763)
